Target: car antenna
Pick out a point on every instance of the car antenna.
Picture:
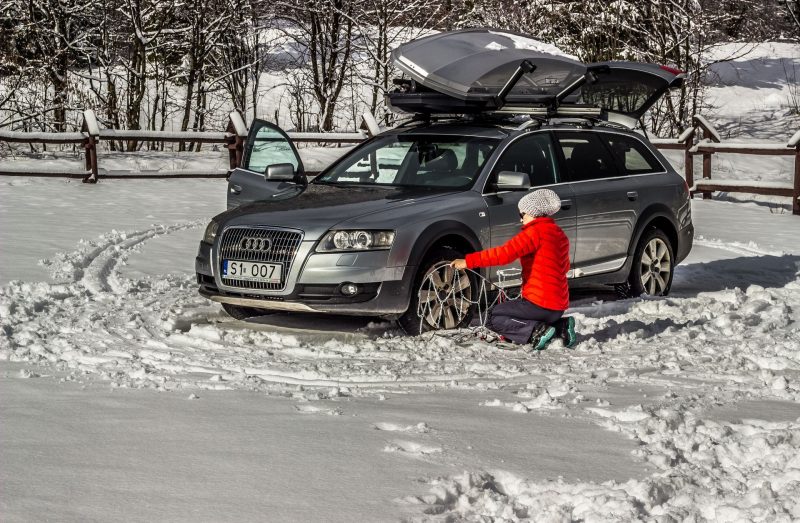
(524, 67)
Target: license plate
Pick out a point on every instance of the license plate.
(252, 271)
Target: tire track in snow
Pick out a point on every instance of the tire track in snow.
(98, 268)
(747, 249)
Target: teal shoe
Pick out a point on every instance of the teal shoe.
(566, 331)
(541, 337)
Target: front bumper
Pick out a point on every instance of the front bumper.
(314, 284)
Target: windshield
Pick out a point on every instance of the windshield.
(414, 161)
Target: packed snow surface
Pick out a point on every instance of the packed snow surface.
(120, 311)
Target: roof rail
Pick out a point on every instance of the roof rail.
(587, 111)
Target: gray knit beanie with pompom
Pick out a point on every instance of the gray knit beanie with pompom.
(541, 202)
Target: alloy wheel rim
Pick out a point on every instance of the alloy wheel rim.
(656, 266)
(445, 296)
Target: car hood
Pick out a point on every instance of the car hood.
(320, 207)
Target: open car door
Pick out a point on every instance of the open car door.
(624, 91)
(271, 167)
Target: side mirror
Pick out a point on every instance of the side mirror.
(513, 181)
(280, 172)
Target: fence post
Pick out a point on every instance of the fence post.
(368, 120)
(237, 133)
(796, 191)
(711, 134)
(92, 130)
(687, 139)
(794, 141)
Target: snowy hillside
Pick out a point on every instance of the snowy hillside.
(756, 94)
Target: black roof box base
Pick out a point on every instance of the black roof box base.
(433, 103)
(430, 103)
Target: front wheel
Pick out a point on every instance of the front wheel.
(442, 296)
(653, 265)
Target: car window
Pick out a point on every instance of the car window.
(379, 165)
(624, 91)
(585, 156)
(632, 156)
(414, 161)
(270, 147)
(533, 155)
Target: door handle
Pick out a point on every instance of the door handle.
(236, 189)
(566, 204)
(633, 195)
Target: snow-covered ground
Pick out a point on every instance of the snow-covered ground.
(125, 395)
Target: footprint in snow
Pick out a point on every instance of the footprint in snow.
(419, 428)
(311, 409)
(412, 448)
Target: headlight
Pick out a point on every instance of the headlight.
(355, 241)
(211, 232)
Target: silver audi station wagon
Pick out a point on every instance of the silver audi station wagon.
(494, 116)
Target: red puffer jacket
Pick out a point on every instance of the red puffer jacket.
(543, 249)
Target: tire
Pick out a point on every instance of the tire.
(433, 291)
(653, 265)
(242, 313)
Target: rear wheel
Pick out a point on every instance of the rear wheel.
(442, 296)
(242, 313)
(653, 265)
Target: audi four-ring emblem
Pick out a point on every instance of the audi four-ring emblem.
(256, 244)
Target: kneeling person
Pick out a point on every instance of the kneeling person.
(543, 251)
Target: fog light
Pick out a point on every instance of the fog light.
(349, 289)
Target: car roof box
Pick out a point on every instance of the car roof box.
(474, 65)
(488, 70)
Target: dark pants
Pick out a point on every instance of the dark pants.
(516, 319)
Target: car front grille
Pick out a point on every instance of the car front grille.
(259, 244)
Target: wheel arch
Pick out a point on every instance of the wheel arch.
(448, 233)
(656, 216)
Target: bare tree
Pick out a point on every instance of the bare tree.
(382, 25)
(149, 23)
(322, 31)
(54, 39)
(204, 22)
(792, 9)
(238, 61)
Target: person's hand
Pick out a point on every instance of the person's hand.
(459, 264)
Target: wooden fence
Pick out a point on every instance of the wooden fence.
(699, 140)
(90, 136)
(702, 139)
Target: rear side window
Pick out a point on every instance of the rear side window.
(533, 155)
(586, 157)
(632, 156)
